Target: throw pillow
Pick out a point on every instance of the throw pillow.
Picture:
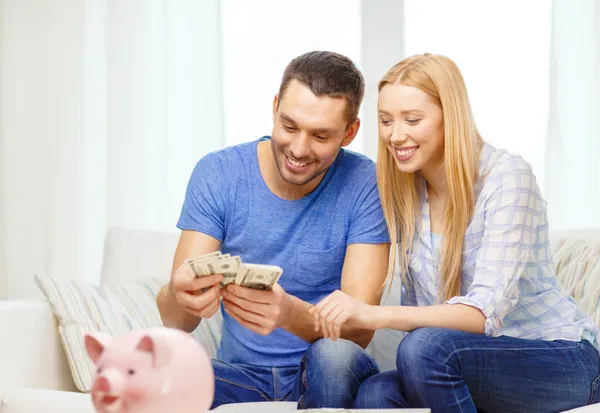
(115, 309)
(578, 272)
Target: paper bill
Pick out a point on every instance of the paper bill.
(257, 276)
(216, 264)
(228, 267)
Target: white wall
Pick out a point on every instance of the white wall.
(502, 49)
(3, 280)
(260, 37)
(382, 46)
(573, 153)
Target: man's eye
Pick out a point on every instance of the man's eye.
(321, 138)
(289, 128)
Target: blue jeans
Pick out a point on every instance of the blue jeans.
(453, 371)
(329, 375)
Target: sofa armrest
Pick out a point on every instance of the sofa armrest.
(31, 351)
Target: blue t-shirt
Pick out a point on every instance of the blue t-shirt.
(228, 199)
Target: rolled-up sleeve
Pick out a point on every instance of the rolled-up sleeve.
(512, 213)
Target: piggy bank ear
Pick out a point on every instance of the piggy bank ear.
(95, 343)
(158, 348)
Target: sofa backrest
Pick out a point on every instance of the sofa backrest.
(131, 254)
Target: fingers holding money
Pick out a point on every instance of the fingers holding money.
(196, 295)
(260, 311)
(253, 321)
(258, 315)
(193, 284)
(238, 296)
(203, 305)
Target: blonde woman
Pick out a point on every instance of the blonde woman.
(489, 328)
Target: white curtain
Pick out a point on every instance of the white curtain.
(106, 107)
(573, 150)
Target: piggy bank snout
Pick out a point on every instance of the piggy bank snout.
(109, 382)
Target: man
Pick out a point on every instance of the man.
(298, 200)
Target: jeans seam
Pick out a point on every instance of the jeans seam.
(507, 349)
(303, 362)
(242, 386)
(275, 376)
(458, 403)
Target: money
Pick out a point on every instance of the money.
(256, 276)
(259, 277)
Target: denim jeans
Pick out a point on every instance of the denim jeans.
(329, 375)
(454, 371)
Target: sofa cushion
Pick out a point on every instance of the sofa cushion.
(113, 308)
(25, 400)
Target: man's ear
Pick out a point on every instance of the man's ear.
(351, 132)
(275, 107)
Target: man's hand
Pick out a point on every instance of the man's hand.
(258, 310)
(187, 291)
(339, 309)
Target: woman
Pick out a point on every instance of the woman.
(489, 328)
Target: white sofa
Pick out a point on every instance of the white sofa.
(34, 374)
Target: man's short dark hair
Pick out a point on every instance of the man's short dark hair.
(327, 74)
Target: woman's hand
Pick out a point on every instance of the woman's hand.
(340, 309)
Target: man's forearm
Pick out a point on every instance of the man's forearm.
(172, 315)
(301, 324)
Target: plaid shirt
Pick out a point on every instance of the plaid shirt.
(508, 272)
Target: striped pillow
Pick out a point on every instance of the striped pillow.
(115, 309)
(578, 272)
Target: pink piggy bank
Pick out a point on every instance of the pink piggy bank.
(154, 370)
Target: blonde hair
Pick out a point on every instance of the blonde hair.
(439, 77)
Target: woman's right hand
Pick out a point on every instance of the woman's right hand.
(340, 309)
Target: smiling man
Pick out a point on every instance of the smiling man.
(299, 200)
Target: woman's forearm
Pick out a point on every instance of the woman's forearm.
(452, 316)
